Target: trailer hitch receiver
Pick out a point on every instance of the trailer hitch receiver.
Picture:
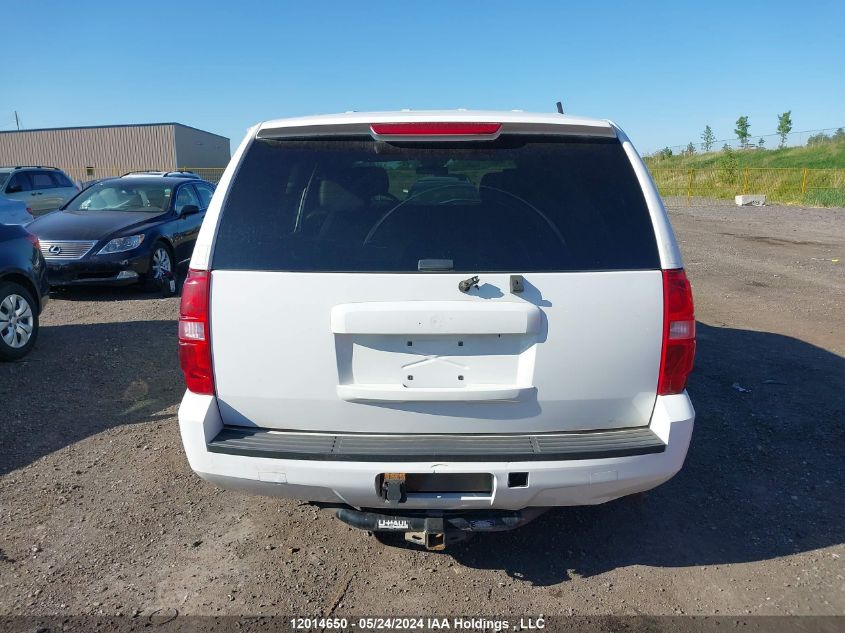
(436, 532)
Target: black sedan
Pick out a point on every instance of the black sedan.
(121, 231)
(23, 290)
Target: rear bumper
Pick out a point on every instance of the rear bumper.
(554, 478)
(360, 447)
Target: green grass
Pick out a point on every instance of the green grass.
(820, 156)
(812, 175)
(825, 198)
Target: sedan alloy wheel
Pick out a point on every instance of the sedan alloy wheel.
(16, 321)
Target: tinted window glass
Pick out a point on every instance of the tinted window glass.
(184, 196)
(205, 194)
(516, 204)
(42, 180)
(19, 182)
(61, 179)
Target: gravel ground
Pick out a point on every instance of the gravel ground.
(99, 513)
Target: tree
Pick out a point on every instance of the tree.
(784, 126)
(741, 130)
(839, 135)
(707, 139)
(729, 164)
(818, 139)
(761, 143)
(690, 149)
(666, 152)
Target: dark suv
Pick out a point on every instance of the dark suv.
(121, 231)
(23, 291)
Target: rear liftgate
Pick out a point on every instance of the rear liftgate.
(437, 529)
(421, 349)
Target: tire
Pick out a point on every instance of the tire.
(161, 259)
(18, 321)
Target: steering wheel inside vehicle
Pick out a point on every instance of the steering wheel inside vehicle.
(499, 192)
(390, 211)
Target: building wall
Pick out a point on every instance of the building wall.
(97, 152)
(196, 149)
(108, 150)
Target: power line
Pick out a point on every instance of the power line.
(733, 139)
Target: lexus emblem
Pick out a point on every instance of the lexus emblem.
(55, 249)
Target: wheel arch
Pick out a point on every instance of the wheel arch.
(22, 280)
(168, 242)
(159, 235)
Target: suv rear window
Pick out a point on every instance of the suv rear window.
(523, 204)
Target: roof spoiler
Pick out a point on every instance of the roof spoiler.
(370, 129)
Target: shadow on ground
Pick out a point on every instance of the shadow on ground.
(83, 379)
(763, 478)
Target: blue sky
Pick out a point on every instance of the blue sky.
(661, 70)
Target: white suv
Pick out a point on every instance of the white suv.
(437, 322)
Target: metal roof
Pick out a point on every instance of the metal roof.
(100, 127)
(140, 179)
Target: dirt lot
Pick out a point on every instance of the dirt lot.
(99, 512)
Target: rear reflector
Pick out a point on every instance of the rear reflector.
(435, 129)
(678, 333)
(194, 335)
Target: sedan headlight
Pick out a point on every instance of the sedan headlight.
(120, 244)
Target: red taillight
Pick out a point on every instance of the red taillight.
(194, 334)
(28, 210)
(435, 129)
(678, 333)
(33, 240)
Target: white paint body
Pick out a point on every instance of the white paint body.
(325, 340)
(408, 353)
